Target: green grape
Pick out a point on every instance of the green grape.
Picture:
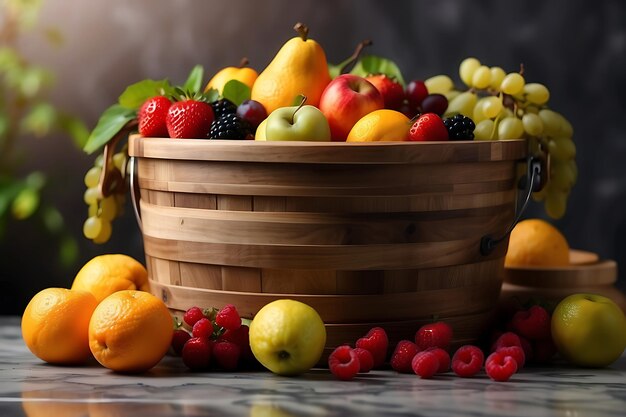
(532, 109)
(562, 149)
(532, 124)
(99, 162)
(492, 106)
(540, 195)
(555, 203)
(536, 93)
(566, 127)
(497, 75)
(451, 94)
(92, 195)
(462, 104)
(92, 177)
(92, 227)
(561, 176)
(484, 130)
(439, 84)
(551, 122)
(467, 69)
(510, 128)
(93, 210)
(512, 84)
(105, 233)
(482, 77)
(477, 114)
(119, 160)
(108, 208)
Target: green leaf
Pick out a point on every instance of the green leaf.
(298, 100)
(334, 70)
(39, 120)
(194, 80)
(110, 123)
(371, 64)
(135, 94)
(74, 127)
(25, 203)
(236, 91)
(9, 189)
(211, 95)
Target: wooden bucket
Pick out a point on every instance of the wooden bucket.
(369, 234)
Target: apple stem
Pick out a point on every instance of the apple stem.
(244, 62)
(302, 30)
(298, 108)
(346, 65)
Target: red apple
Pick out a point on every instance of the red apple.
(390, 89)
(345, 100)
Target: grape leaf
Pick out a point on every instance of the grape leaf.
(135, 94)
(371, 64)
(236, 91)
(110, 123)
(211, 95)
(194, 80)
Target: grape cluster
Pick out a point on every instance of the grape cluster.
(105, 200)
(504, 106)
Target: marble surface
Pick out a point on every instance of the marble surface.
(29, 387)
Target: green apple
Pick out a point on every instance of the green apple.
(297, 123)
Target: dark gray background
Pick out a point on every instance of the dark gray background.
(576, 48)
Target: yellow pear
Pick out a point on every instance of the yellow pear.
(299, 68)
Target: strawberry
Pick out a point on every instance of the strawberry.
(189, 118)
(152, 115)
(428, 127)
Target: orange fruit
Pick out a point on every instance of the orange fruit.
(535, 242)
(130, 331)
(106, 274)
(55, 324)
(380, 125)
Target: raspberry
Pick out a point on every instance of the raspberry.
(179, 338)
(516, 353)
(437, 334)
(528, 349)
(241, 337)
(376, 342)
(402, 356)
(443, 357)
(533, 324)
(197, 353)
(202, 328)
(344, 363)
(366, 360)
(192, 315)
(228, 317)
(467, 361)
(425, 364)
(543, 350)
(500, 366)
(226, 354)
(505, 340)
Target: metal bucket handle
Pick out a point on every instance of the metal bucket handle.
(530, 182)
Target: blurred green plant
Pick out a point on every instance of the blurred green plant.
(27, 111)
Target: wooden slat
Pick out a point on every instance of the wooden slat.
(197, 201)
(294, 281)
(241, 279)
(197, 275)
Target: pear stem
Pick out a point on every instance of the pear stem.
(298, 108)
(302, 30)
(351, 61)
(244, 62)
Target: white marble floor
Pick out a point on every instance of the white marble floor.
(28, 387)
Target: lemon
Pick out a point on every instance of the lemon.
(380, 125)
(589, 330)
(535, 242)
(287, 337)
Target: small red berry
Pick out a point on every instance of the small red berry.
(202, 328)
(533, 324)
(437, 334)
(444, 359)
(344, 363)
(152, 115)
(192, 315)
(467, 361)
(179, 338)
(197, 353)
(402, 356)
(228, 317)
(226, 354)
(366, 360)
(500, 366)
(505, 340)
(241, 337)
(428, 127)
(516, 353)
(425, 364)
(543, 350)
(376, 342)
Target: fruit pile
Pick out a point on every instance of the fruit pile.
(300, 96)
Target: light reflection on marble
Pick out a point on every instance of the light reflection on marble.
(31, 388)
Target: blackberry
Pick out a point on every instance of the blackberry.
(222, 107)
(229, 126)
(460, 127)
